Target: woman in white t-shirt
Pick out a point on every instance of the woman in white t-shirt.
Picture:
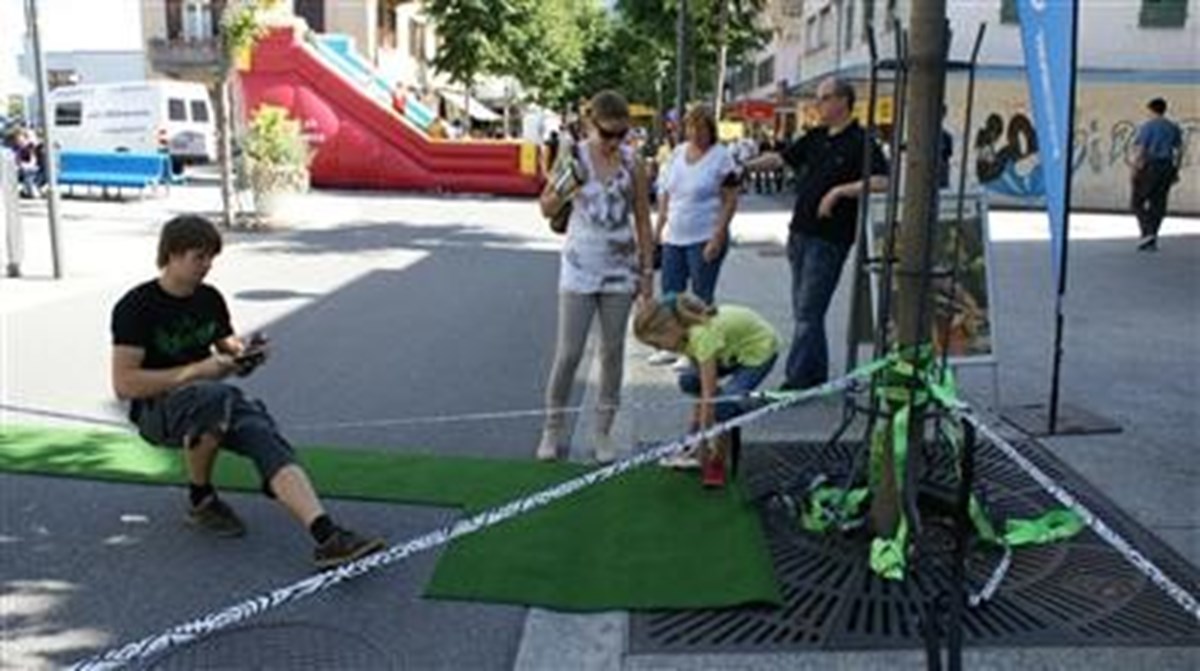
(698, 199)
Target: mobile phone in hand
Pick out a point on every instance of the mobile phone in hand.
(253, 356)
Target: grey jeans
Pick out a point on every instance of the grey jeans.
(575, 312)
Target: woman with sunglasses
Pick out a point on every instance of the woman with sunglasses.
(698, 200)
(606, 260)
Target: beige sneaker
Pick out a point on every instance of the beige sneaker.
(547, 449)
(662, 357)
(604, 448)
(688, 460)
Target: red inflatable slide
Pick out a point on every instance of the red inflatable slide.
(362, 143)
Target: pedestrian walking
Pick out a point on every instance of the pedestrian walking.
(1157, 152)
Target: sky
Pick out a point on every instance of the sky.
(69, 25)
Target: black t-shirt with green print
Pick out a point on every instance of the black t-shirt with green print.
(173, 331)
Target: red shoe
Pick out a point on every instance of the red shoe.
(713, 471)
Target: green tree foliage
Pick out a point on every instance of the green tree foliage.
(473, 34)
(564, 50)
(646, 43)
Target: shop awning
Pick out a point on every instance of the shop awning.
(476, 109)
(751, 110)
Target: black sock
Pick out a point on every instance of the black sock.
(197, 493)
(322, 528)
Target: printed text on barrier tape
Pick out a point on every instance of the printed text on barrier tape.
(152, 646)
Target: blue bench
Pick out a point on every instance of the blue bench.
(119, 170)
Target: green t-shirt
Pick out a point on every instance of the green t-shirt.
(734, 336)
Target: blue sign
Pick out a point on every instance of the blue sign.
(1048, 36)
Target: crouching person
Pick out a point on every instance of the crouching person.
(731, 349)
(173, 347)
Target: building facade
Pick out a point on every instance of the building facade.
(1128, 52)
(767, 75)
(181, 36)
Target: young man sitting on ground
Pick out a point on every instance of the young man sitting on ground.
(173, 345)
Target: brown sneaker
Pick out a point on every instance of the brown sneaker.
(217, 518)
(343, 547)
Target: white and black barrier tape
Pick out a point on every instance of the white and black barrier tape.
(153, 646)
(1178, 594)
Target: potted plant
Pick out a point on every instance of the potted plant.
(241, 28)
(276, 158)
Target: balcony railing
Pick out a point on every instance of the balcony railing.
(167, 55)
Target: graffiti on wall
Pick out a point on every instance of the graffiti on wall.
(1006, 151)
(1006, 156)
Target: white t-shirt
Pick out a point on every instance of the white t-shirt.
(695, 192)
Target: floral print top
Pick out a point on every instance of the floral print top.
(600, 254)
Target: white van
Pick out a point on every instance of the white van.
(142, 117)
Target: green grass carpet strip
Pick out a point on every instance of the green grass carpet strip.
(650, 539)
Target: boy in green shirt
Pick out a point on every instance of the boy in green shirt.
(731, 342)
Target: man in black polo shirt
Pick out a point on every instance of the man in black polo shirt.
(828, 162)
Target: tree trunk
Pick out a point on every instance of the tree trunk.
(927, 85)
(681, 60)
(225, 148)
(466, 124)
(722, 54)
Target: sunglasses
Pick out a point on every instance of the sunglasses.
(612, 134)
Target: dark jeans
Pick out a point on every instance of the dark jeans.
(30, 179)
(1150, 188)
(741, 380)
(816, 268)
(241, 424)
(684, 266)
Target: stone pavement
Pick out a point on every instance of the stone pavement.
(1132, 354)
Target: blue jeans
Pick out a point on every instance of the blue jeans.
(816, 268)
(30, 180)
(741, 380)
(684, 265)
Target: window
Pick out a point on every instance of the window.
(766, 72)
(313, 13)
(200, 111)
(416, 39)
(198, 20)
(68, 114)
(1163, 14)
(810, 35)
(868, 17)
(388, 37)
(176, 111)
(56, 78)
(823, 22)
(745, 78)
(1008, 11)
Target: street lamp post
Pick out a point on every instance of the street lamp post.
(50, 165)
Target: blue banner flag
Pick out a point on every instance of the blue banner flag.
(1048, 36)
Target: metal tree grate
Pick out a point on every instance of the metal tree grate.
(1078, 592)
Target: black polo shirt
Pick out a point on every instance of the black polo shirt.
(823, 161)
